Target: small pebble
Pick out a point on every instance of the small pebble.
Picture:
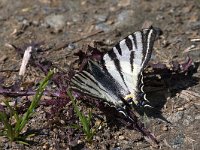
(101, 18)
(175, 117)
(124, 3)
(160, 17)
(98, 138)
(55, 21)
(102, 26)
(77, 17)
(35, 23)
(125, 17)
(165, 128)
(181, 108)
(121, 137)
(45, 146)
(71, 46)
(197, 117)
(79, 141)
(195, 26)
(55, 130)
(62, 121)
(51, 148)
(20, 18)
(117, 148)
(3, 58)
(26, 22)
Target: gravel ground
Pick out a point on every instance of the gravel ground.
(81, 22)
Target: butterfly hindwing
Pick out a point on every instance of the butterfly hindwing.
(98, 84)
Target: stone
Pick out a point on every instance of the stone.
(55, 21)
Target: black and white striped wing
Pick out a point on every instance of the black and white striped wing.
(129, 57)
(121, 71)
(98, 84)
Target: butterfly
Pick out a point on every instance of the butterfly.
(118, 80)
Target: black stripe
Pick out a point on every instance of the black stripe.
(113, 56)
(77, 79)
(88, 77)
(131, 60)
(118, 48)
(110, 103)
(82, 90)
(108, 74)
(93, 81)
(134, 40)
(83, 75)
(106, 80)
(129, 43)
(144, 45)
(150, 44)
(104, 67)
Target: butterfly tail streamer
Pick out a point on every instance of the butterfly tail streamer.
(132, 117)
(139, 126)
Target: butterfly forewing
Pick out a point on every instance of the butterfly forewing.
(129, 57)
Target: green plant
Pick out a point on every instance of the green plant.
(12, 128)
(84, 121)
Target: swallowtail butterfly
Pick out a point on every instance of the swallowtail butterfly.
(118, 80)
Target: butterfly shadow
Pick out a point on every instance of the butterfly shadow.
(160, 90)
